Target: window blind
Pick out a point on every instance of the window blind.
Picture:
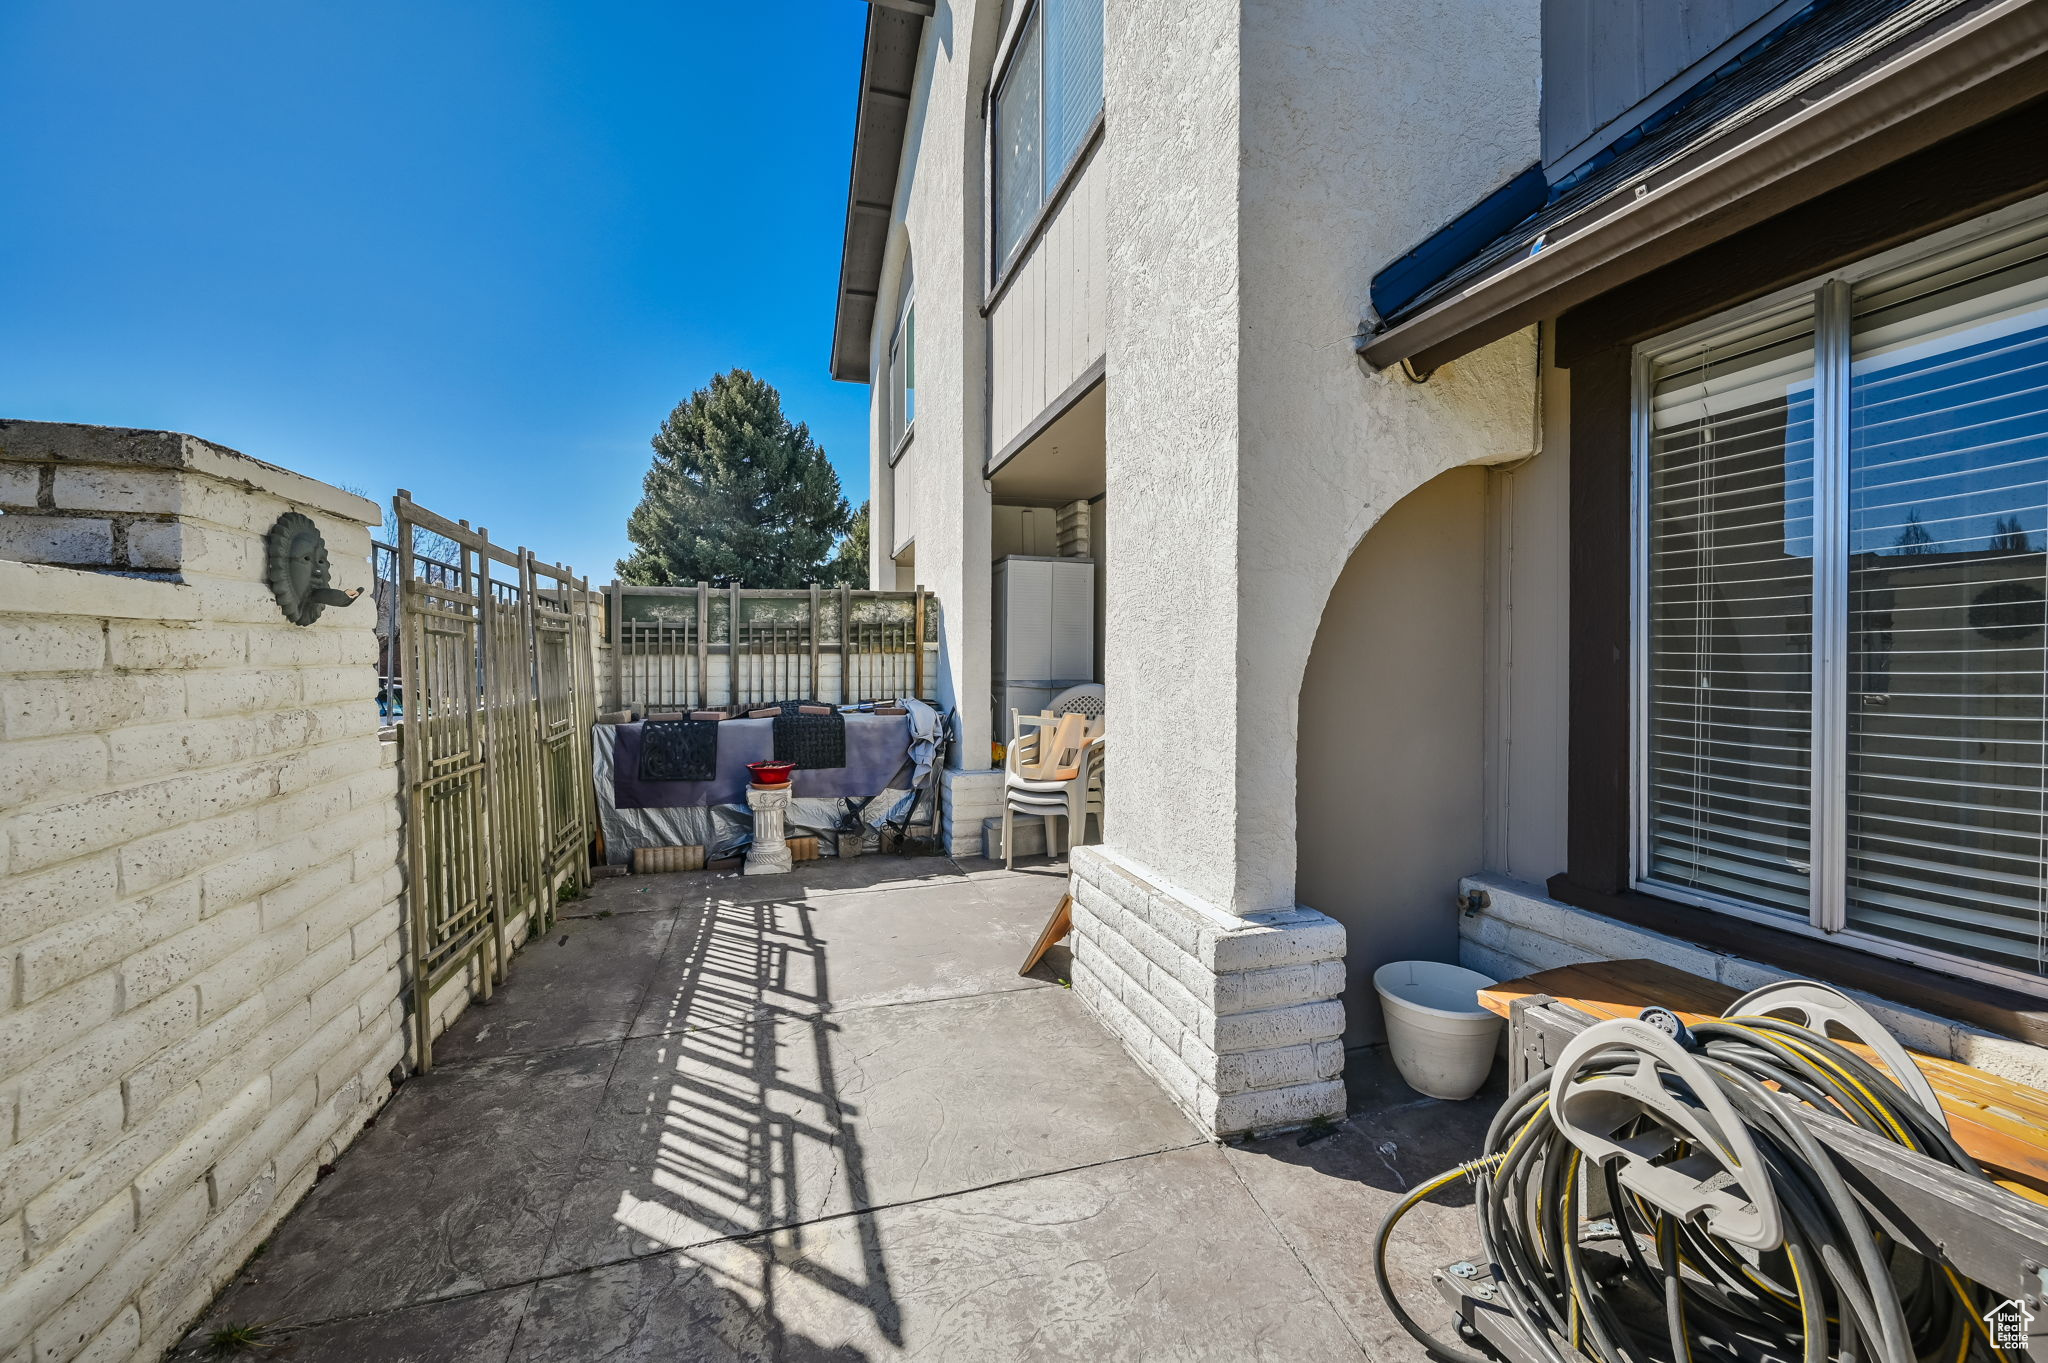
(1048, 99)
(1019, 187)
(1858, 740)
(1948, 514)
(1073, 81)
(1729, 661)
(900, 392)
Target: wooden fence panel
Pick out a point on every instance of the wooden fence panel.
(679, 648)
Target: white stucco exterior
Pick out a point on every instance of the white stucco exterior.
(933, 504)
(1265, 158)
(1314, 734)
(1259, 162)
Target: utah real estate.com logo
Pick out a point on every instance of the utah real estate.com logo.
(2007, 1323)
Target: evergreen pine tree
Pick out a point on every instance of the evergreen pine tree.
(1914, 539)
(736, 493)
(850, 564)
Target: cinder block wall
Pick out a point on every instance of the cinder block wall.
(199, 922)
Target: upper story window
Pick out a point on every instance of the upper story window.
(1841, 569)
(1048, 97)
(902, 377)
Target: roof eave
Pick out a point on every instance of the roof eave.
(1907, 100)
(887, 69)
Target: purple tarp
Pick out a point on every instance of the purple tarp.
(877, 751)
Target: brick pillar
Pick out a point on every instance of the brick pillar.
(1239, 1018)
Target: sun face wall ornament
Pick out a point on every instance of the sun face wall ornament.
(296, 567)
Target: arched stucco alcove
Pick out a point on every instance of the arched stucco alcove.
(1390, 756)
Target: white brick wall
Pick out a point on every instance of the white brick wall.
(1240, 1019)
(199, 950)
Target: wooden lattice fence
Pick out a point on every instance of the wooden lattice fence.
(678, 648)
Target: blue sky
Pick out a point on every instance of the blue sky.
(477, 250)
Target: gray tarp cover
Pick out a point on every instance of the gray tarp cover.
(725, 827)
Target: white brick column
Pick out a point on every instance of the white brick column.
(966, 798)
(1239, 1018)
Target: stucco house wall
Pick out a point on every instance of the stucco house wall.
(1246, 195)
(1528, 636)
(1261, 160)
(1171, 83)
(1391, 754)
(1250, 451)
(938, 505)
(199, 918)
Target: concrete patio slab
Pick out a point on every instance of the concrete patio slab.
(1329, 1197)
(1154, 1258)
(1027, 871)
(865, 1138)
(583, 982)
(730, 963)
(456, 1189)
(818, 879)
(733, 1130)
(473, 1329)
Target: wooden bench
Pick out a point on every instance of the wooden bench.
(2002, 1124)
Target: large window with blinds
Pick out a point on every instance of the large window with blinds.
(1048, 96)
(1841, 556)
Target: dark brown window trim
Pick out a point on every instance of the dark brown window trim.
(2006, 1012)
(1598, 705)
(1046, 211)
(1998, 163)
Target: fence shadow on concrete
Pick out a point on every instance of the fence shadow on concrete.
(744, 1129)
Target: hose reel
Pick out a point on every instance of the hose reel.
(1658, 1197)
(1816, 1006)
(1662, 1123)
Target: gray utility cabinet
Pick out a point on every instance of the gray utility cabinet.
(1044, 632)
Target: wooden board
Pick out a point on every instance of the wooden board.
(1056, 929)
(1059, 750)
(657, 860)
(2002, 1124)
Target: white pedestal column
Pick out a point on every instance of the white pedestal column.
(770, 853)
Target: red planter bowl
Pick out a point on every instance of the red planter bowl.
(771, 773)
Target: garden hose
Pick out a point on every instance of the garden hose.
(1655, 1197)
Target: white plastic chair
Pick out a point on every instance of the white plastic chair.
(1073, 799)
(1088, 699)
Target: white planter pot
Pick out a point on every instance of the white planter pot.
(1442, 1040)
